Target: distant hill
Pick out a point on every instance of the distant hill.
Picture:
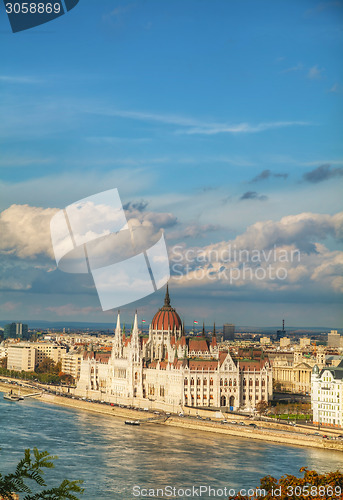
(84, 326)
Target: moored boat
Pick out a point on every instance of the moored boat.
(132, 422)
(13, 397)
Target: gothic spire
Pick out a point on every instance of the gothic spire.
(135, 325)
(167, 298)
(118, 329)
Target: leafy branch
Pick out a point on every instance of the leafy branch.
(30, 468)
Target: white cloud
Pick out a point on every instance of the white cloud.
(298, 67)
(283, 255)
(19, 79)
(25, 231)
(315, 73)
(9, 306)
(65, 188)
(192, 126)
(19, 161)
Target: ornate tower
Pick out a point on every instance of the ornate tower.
(135, 367)
(117, 351)
(165, 323)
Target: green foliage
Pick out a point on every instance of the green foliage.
(48, 365)
(30, 468)
(292, 416)
(44, 378)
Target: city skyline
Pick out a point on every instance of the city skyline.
(219, 123)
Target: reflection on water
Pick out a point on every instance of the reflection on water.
(111, 457)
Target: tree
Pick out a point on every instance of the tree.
(47, 365)
(3, 362)
(261, 407)
(30, 469)
(313, 486)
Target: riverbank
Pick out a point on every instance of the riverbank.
(294, 437)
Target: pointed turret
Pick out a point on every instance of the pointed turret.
(134, 340)
(167, 298)
(135, 327)
(118, 329)
(118, 340)
(214, 336)
(203, 329)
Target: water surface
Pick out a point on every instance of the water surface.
(112, 457)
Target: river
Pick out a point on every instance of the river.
(111, 457)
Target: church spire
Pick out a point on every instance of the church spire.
(118, 340)
(203, 328)
(135, 326)
(134, 342)
(167, 298)
(214, 336)
(118, 329)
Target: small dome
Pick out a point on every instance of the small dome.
(166, 318)
(315, 370)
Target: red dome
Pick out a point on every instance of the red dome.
(166, 318)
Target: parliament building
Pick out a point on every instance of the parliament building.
(169, 371)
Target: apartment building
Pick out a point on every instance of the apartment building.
(327, 395)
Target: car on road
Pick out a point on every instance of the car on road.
(253, 425)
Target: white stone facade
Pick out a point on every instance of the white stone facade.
(327, 396)
(165, 370)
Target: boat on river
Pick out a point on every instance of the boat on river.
(10, 396)
(132, 422)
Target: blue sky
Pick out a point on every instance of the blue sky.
(217, 115)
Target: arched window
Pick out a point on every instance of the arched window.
(211, 381)
(192, 381)
(186, 381)
(225, 382)
(205, 381)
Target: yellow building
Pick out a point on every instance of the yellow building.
(21, 358)
(293, 370)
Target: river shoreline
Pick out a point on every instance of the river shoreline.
(272, 435)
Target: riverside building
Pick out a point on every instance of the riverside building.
(327, 395)
(167, 370)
